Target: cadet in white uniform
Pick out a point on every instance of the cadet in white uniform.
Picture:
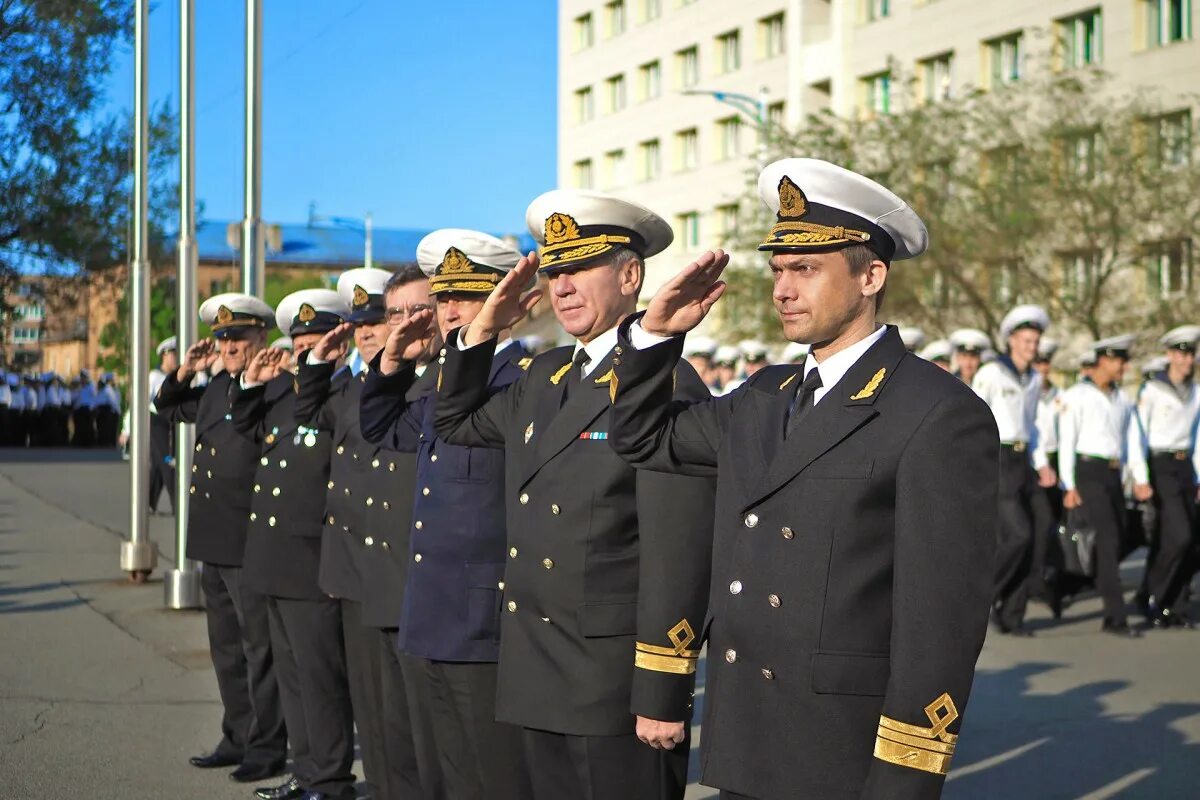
(939, 352)
(1098, 435)
(1169, 409)
(969, 346)
(1011, 388)
(1044, 580)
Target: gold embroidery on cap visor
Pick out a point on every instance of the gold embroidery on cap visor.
(927, 749)
(791, 231)
(565, 244)
(458, 273)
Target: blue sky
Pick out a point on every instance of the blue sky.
(426, 115)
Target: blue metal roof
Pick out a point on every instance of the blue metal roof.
(326, 244)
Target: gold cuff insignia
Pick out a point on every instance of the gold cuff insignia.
(681, 635)
(927, 749)
(658, 650)
(675, 665)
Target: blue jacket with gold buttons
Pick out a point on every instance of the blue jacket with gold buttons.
(451, 606)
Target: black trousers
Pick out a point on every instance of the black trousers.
(162, 474)
(85, 428)
(363, 672)
(306, 636)
(1046, 563)
(481, 759)
(239, 638)
(1099, 486)
(604, 767)
(1014, 543)
(413, 766)
(1170, 569)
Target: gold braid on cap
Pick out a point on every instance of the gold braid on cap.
(458, 273)
(565, 242)
(790, 231)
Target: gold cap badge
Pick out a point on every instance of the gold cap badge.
(361, 298)
(224, 315)
(454, 262)
(307, 313)
(792, 202)
(561, 228)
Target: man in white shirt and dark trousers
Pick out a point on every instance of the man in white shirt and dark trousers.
(1045, 580)
(1168, 408)
(1098, 435)
(1011, 387)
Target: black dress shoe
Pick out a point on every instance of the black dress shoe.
(213, 760)
(286, 791)
(1021, 632)
(249, 773)
(1120, 629)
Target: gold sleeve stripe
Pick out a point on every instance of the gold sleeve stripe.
(915, 730)
(916, 741)
(672, 664)
(666, 651)
(914, 758)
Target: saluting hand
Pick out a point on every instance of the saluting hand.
(658, 734)
(265, 365)
(505, 306)
(682, 302)
(404, 341)
(199, 356)
(334, 344)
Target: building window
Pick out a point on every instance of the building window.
(1171, 139)
(1082, 153)
(26, 335)
(687, 62)
(1167, 21)
(615, 173)
(687, 149)
(729, 137)
(689, 230)
(615, 87)
(727, 219)
(1004, 60)
(937, 77)
(1080, 269)
(614, 18)
(583, 174)
(729, 49)
(585, 107)
(650, 81)
(649, 160)
(877, 93)
(776, 119)
(585, 32)
(1169, 267)
(877, 9)
(651, 10)
(1080, 37)
(770, 36)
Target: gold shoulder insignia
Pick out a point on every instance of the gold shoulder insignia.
(563, 370)
(612, 389)
(674, 380)
(524, 363)
(439, 381)
(927, 749)
(871, 386)
(783, 385)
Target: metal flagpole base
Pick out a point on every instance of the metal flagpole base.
(138, 559)
(181, 589)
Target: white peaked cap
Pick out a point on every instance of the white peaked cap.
(575, 226)
(1024, 316)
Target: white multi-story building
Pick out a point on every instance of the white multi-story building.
(641, 82)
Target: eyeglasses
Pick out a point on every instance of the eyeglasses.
(400, 313)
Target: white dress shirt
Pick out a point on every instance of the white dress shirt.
(1049, 405)
(832, 369)
(1169, 416)
(1013, 399)
(1101, 424)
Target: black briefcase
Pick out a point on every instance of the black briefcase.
(1077, 542)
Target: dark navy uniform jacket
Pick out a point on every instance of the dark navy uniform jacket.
(457, 548)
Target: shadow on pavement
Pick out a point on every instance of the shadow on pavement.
(1067, 745)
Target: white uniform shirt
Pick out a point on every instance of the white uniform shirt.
(1013, 399)
(1101, 424)
(1049, 407)
(1169, 416)
(31, 398)
(16, 398)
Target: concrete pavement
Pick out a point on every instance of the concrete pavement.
(103, 694)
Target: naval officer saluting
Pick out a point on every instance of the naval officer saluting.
(607, 566)
(851, 563)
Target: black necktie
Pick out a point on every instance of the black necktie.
(575, 374)
(804, 401)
